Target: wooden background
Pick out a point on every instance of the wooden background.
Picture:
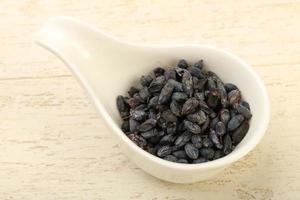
(53, 144)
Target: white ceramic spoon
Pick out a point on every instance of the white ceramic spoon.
(107, 67)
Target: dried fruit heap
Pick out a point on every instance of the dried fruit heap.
(184, 114)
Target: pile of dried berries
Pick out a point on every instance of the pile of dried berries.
(185, 114)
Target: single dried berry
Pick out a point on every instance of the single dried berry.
(125, 126)
(133, 125)
(191, 151)
(213, 98)
(240, 132)
(169, 116)
(187, 83)
(147, 125)
(176, 108)
(192, 127)
(224, 116)
(204, 107)
(170, 158)
(144, 94)
(235, 122)
(243, 110)
(183, 139)
(179, 97)
(177, 85)
(199, 96)
(165, 93)
(133, 102)
(153, 102)
(155, 140)
(227, 144)
(197, 141)
(198, 117)
(167, 139)
(170, 74)
(157, 84)
(205, 125)
(229, 87)
(211, 84)
(132, 91)
(190, 106)
(158, 71)
(196, 72)
(220, 128)
(207, 153)
(121, 105)
(199, 64)
(206, 142)
(234, 97)
(245, 104)
(182, 64)
(218, 154)
(215, 140)
(145, 80)
(214, 122)
(223, 94)
(138, 140)
(149, 134)
(179, 154)
(199, 83)
(138, 115)
(164, 151)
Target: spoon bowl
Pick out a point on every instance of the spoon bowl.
(107, 67)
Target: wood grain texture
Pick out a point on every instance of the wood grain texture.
(53, 145)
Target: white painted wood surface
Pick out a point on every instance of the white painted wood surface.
(53, 145)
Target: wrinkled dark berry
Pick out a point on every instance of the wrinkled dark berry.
(213, 98)
(190, 106)
(158, 71)
(182, 64)
(179, 97)
(197, 141)
(176, 108)
(220, 128)
(234, 97)
(196, 72)
(223, 94)
(206, 142)
(170, 74)
(227, 144)
(179, 154)
(155, 140)
(199, 64)
(245, 104)
(138, 140)
(199, 83)
(199, 96)
(192, 127)
(138, 115)
(205, 125)
(133, 102)
(169, 116)
(132, 91)
(145, 80)
(149, 134)
(167, 139)
(133, 125)
(170, 158)
(152, 114)
(157, 84)
(211, 84)
(191, 151)
(183, 139)
(165, 93)
(164, 151)
(171, 127)
(229, 87)
(121, 105)
(125, 126)
(224, 116)
(240, 132)
(243, 111)
(207, 153)
(214, 122)
(147, 125)
(218, 154)
(153, 102)
(235, 122)
(198, 117)
(187, 83)
(215, 140)
(177, 86)
(144, 93)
